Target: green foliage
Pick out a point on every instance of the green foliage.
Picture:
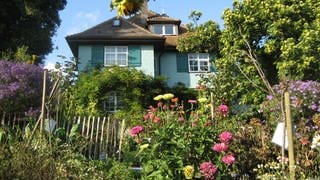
(92, 88)
(21, 55)
(204, 38)
(194, 17)
(174, 137)
(21, 19)
(278, 34)
(60, 158)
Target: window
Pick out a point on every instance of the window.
(165, 29)
(116, 55)
(198, 62)
(116, 22)
(113, 102)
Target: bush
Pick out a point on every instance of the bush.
(20, 87)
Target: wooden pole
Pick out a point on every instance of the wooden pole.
(96, 140)
(290, 135)
(102, 133)
(83, 125)
(91, 137)
(107, 132)
(43, 100)
(211, 107)
(121, 137)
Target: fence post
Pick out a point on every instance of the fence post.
(91, 137)
(102, 133)
(107, 140)
(290, 136)
(97, 139)
(43, 100)
(121, 137)
(83, 126)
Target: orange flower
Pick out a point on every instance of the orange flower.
(174, 100)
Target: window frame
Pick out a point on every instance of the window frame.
(198, 61)
(115, 104)
(116, 53)
(163, 29)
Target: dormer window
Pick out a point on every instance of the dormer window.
(165, 29)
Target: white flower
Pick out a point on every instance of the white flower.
(315, 141)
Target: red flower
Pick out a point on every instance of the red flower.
(156, 119)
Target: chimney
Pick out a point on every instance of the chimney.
(144, 7)
(144, 12)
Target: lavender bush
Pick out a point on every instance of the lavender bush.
(20, 87)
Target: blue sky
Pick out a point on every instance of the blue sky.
(80, 15)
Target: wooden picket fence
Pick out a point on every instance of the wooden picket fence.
(103, 134)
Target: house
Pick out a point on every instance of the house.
(146, 41)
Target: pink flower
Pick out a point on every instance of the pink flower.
(223, 110)
(164, 107)
(156, 119)
(208, 170)
(180, 119)
(220, 147)
(225, 137)
(191, 101)
(136, 130)
(228, 159)
(146, 117)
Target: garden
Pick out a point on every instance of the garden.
(257, 117)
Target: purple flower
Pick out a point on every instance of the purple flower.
(20, 86)
(269, 97)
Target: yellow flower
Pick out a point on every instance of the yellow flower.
(144, 146)
(202, 100)
(188, 171)
(168, 96)
(158, 98)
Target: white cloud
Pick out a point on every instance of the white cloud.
(91, 16)
(77, 28)
(49, 66)
(83, 21)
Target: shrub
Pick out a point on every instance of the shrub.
(20, 87)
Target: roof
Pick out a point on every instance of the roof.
(133, 30)
(162, 19)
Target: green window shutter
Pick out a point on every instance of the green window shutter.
(212, 61)
(97, 55)
(134, 56)
(182, 62)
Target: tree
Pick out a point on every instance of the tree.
(29, 23)
(202, 38)
(280, 35)
(20, 87)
